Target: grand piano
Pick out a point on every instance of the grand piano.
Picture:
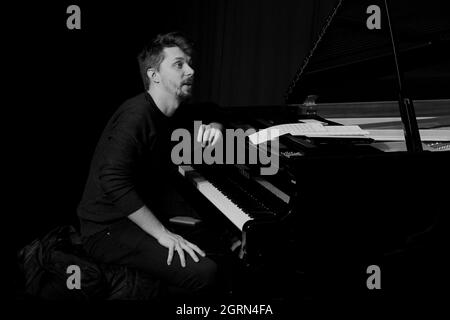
(339, 205)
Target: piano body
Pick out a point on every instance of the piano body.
(337, 206)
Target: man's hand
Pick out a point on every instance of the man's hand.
(175, 242)
(209, 134)
(147, 221)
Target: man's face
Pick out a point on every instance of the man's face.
(176, 74)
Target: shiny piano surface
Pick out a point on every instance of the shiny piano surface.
(344, 205)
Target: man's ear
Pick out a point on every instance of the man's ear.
(153, 75)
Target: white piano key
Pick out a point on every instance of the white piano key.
(236, 215)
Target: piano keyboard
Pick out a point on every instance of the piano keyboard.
(238, 209)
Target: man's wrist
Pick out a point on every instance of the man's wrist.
(158, 233)
(145, 219)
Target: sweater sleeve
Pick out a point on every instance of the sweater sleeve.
(120, 154)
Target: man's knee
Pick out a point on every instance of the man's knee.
(203, 276)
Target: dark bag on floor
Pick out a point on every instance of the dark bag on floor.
(44, 266)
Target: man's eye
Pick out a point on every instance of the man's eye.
(179, 65)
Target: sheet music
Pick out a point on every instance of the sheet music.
(306, 129)
(398, 135)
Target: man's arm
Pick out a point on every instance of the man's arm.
(147, 221)
(121, 151)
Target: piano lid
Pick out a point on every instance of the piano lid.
(350, 63)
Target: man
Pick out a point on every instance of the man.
(129, 195)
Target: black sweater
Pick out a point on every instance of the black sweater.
(131, 166)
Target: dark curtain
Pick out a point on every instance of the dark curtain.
(249, 51)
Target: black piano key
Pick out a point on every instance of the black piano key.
(239, 195)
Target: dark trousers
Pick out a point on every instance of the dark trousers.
(125, 243)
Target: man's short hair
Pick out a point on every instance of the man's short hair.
(153, 53)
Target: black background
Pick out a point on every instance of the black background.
(65, 84)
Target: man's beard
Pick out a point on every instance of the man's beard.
(185, 90)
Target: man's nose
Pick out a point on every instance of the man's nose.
(189, 70)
